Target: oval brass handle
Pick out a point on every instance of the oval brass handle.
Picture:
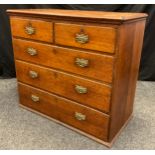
(81, 62)
(35, 98)
(30, 30)
(31, 51)
(81, 38)
(33, 74)
(80, 116)
(81, 89)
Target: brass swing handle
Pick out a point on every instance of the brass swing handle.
(35, 98)
(81, 89)
(30, 30)
(82, 62)
(31, 51)
(80, 116)
(33, 74)
(81, 38)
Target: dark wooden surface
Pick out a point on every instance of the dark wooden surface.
(43, 29)
(98, 95)
(125, 74)
(100, 66)
(64, 110)
(114, 47)
(111, 16)
(100, 38)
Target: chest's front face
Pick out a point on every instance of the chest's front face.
(71, 71)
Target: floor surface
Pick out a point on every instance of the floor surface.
(22, 129)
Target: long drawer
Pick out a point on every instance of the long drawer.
(72, 113)
(86, 36)
(96, 66)
(88, 92)
(32, 29)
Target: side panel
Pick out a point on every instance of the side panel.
(125, 74)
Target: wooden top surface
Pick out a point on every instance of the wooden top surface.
(99, 15)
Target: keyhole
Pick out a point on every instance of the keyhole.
(81, 30)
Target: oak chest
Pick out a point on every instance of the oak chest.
(78, 68)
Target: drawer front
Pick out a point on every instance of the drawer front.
(32, 29)
(87, 37)
(87, 92)
(71, 113)
(95, 66)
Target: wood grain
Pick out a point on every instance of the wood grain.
(43, 29)
(100, 66)
(125, 74)
(98, 95)
(100, 38)
(64, 110)
(113, 49)
(134, 68)
(99, 16)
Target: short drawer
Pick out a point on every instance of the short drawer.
(32, 29)
(96, 66)
(87, 37)
(84, 91)
(66, 111)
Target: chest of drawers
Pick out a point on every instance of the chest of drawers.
(78, 68)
